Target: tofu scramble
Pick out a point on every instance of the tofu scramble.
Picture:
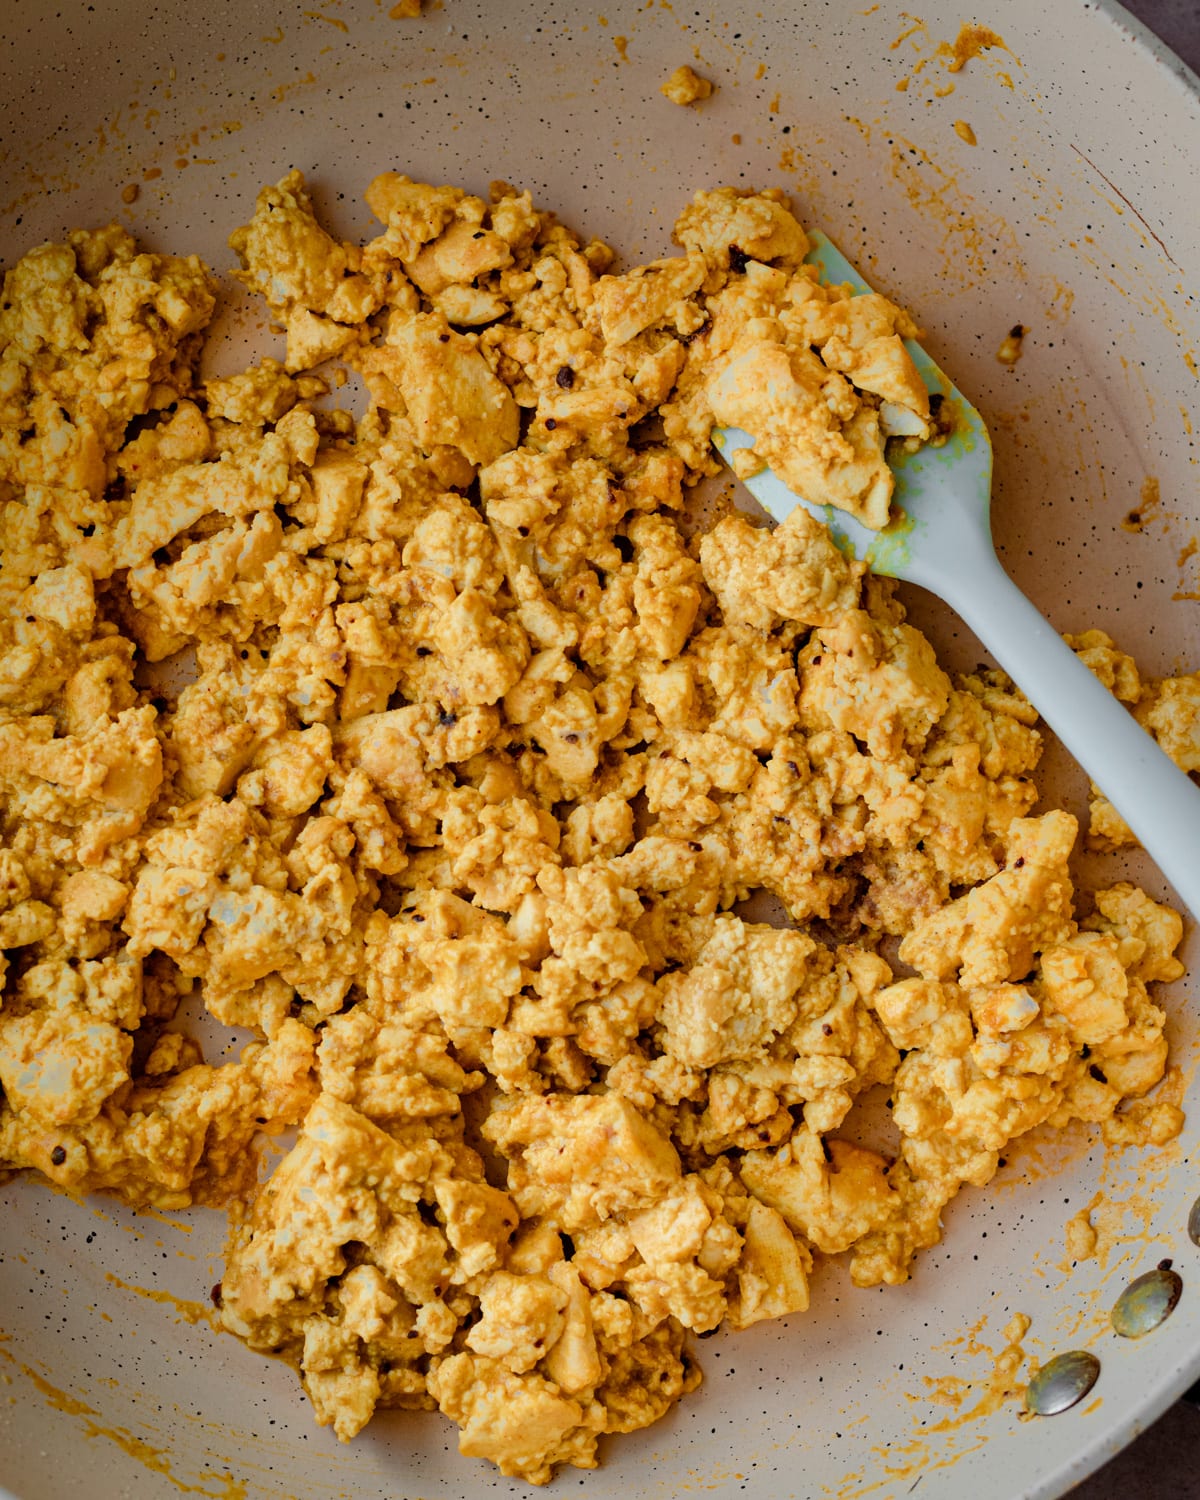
(478, 755)
(686, 86)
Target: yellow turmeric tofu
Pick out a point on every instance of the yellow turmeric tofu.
(431, 744)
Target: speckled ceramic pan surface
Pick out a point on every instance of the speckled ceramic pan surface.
(1075, 215)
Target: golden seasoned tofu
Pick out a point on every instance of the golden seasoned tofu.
(761, 225)
(779, 395)
(737, 997)
(832, 1192)
(288, 258)
(429, 744)
(793, 572)
(449, 393)
(686, 86)
(582, 1158)
(524, 1425)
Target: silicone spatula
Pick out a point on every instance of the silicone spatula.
(940, 537)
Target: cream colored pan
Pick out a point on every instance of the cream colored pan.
(1047, 181)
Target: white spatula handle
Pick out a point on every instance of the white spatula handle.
(1158, 801)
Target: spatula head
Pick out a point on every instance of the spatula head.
(955, 473)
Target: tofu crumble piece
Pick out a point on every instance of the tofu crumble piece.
(1168, 709)
(1012, 345)
(686, 86)
(482, 753)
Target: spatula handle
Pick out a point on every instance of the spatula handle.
(1159, 802)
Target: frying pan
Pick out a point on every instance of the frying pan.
(1073, 214)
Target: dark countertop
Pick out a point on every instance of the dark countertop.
(1177, 22)
(1164, 1462)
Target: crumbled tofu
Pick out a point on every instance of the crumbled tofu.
(686, 86)
(1166, 707)
(1013, 343)
(475, 757)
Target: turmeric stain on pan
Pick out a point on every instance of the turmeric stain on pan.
(122, 130)
(917, 1457)
(316, 15)
(1186, 553)
(189, 1312)
(987, 1393)
(969, 234)
(1148, 508)
(972, 40)
(995, 1380)
(59, 1400)
(151, 1458)
(970, 245)
(1123, 1217)
(157, 1214)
